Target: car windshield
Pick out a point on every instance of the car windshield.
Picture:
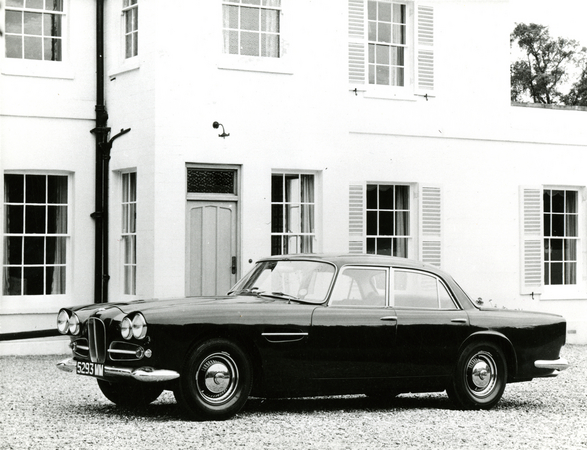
(307, 281)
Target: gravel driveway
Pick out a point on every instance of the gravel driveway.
(44, 408)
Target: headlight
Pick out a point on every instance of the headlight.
(139, 327)
(63, 321)
(74, 325)
(126, 328)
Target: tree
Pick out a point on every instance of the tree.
(544, 69)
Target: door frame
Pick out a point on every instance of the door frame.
(214, 197)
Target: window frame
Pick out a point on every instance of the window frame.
(41, 68)
(129, 232)
(281, 65)
(388, 287)
(300, 203)
(132, 9)
(439, 282)
(418, 58)
(20, 301)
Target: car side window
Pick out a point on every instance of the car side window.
(360, 286)
(420, 290)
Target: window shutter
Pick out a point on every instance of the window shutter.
(532, 263)
(431, 225)
(356, 212)
(424, 49)
(357, 42)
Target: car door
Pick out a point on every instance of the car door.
(430, 324)
(353, 337)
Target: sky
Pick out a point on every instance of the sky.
(565, 18)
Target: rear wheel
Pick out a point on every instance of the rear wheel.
(216, 381)
(480, 376)
(130, 395)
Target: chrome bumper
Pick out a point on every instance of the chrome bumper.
(557, 364)
(146, 374)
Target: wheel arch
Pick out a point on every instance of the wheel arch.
(502, 341)
(246, 343)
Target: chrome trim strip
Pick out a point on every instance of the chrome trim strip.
(284, 334)
(124, 352)
(145, 374)
(458, 320)
(557, 364)
(391, 318)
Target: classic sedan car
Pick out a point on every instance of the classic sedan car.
(309, 325)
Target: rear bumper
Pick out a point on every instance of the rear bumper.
(557, 364)
(145, 374)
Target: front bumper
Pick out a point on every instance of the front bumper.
(145, 374)
(557, 365)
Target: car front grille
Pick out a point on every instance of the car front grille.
(97, 340)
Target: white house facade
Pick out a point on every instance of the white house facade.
(257, 127)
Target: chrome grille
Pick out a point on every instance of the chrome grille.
(97, 340)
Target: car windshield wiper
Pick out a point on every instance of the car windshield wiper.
(283, 295)
(248, 291)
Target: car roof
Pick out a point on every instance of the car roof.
(342, 259)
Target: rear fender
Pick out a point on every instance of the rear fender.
(501, 340)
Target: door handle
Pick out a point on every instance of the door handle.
(233, 267)
(459, 320)
(389, 318)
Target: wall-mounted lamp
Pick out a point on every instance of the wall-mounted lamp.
(224, 134)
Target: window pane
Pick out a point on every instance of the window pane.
(402, 223)
(382, 54)
(277, 219)
(57, 189)
(384, 32)
(230, 16)
(35, 188)
(546, 201)
(250, 19)
(270, 45)
(556, 273)
(270, 20)
(558, 225)
(384, 246)
(372, 223)
(385, 197)
(52, 25)
(292, 188)
(445, 298)
(558, 201)
(385, 223)
(33, 281)
(400, 247)
(382, 75)
(276, 248)
(33, 23)
(402, 197)
(571, 201)
(249, 44)
(13, 47)
(34, 250)
(571, 228)
(57, 219)
(14, 219)
(399, 34)
(399, 13)
(56, 250)
(570, 273)
(14, 188)
(372, 196)
(55, 279)
(13, 250)
(34, 219)
(372, 10)
(34, 4)
(556, 249)
(12, 281)
(14, 22)
(384, 11)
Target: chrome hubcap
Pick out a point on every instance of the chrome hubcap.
(481, 374)
(217, 378)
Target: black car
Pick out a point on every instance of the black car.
(308, 325)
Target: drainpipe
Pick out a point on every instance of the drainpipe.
(103, 147)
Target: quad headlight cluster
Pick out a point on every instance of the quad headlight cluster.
(68, 322)
(135, 327)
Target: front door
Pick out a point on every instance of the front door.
(211, 247)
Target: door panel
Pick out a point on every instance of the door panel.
(211, 247)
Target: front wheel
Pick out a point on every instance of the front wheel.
(215, 382)
(130, 394)
(480, 376)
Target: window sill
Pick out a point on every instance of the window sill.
(568, 293)
(33, 304)
(255, 64)
(389, 94)
(38, 69)
(127, 66)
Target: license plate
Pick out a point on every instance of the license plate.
(89, 368)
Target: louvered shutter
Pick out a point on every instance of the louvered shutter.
(424, 49)
(532, 263)
(357, 42)
(431, 225)
(356, 221)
